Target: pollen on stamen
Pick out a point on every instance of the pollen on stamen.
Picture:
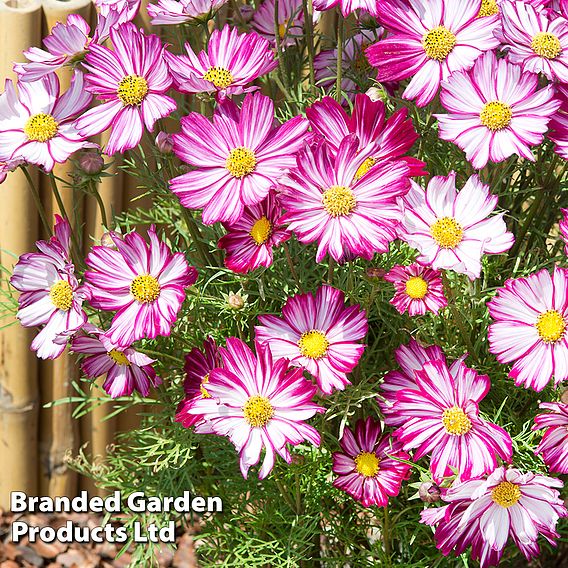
(447, 232)
(496, 115)
(438, 43)
(338, 201)
(261, 231)
(61, 295)
(546, 45)
(219, 76)
(41, 127)
(132, 90)
(240, 162)
(145, 288)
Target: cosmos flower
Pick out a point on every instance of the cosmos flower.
(429, 41)
(530, 324)
(38, 126)
(249, 241)
(535, 40)
(347, 216)
(231, 62)
(495, 110)
(131, 81)
(453, 230)
(145, 283)
(559, 123)
(553, 447)
(198, 365)
(379, 139)
(238, 157)
(440, 417)
(348, 6)
(417, 289)
(174, 12)
(126, 369)
(484, 513)
(258, 404)
(50, 294)
(318, 333)
(367, 468)
(8, 166)
(127, 8)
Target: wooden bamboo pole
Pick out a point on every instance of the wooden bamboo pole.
(20, 27)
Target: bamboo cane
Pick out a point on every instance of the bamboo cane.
(20, 27)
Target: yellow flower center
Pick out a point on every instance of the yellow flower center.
(40, 127)
(261, 231)
(145, 288)
(132, 89)
(313, 344)
(447, 232)
(61, 295)
(488, 8)
(551, 326)
(416, 287)
(282, 29)
(204, 391)
(365, 167)
(367, 464)
(240, 162)
(338, 201)
(546, 45)
(258, 411)
(219, 76)
(496, 115)
(456, 421)
(118, 357)
(438, 43)
(506, 494)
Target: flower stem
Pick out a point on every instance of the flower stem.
(37, 200)
(307, 6)
(331, 268)
(100, 202)
(340, 33)
(291, 266)
(278, 43)
(197, 237)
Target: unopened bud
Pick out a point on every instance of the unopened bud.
(164, 142)
(429, 492)
(376, 94)
(107, 241)
(375, 273)
(235, 301)
(91, 163)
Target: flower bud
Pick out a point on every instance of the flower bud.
(429, 492)
(107, 241)
(235, 301)
(376, 94)
(375, 273)
(164, 142)
(91, 163)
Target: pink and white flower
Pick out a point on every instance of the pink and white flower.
(290, 21)
(429, 41)
(174, 12)
(484, 513)
(453, 230)
(231, 62)
(553, 447)
(495, 110)
(534, 39)
(126, 369)
(417, 289)
(50, 294)
(441, 418)
(325, 200)
(144, 283)
(368, 467)
(127, 8)
(249, 241)
(530, 328)
(559, 123)
(38, 126)
(318, 333)
(131, 81)
(238, 157)
(348, 6)
(258, 404)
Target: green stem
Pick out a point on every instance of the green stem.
(278, 43)
(340, 33)
(291, 266)
(307, 6)
(37, 200)
(100, 201)
(197, 237)
(521, 233)
(386, 533)
(331, 268)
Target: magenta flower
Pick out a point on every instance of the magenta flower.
(563, 226)
(553, 447)
(38, 127)
(348, 6)
(173, 12)
(347, 216)
(318, 333)
(238, 157)
(530, 323)
(259, 404)
(290, 21)
(379, 139)
(127, 8)
(535, 39)
(485, 513)
(249, 241)
(453, 230)
(231, 62)
(495, 111)
(131, 81)
(144, 283)
(429, 41)
(368, 468)
(417, 289)
(440, 417)
(50, 294)
(198, 366)
(559, 123)
(126, 369)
